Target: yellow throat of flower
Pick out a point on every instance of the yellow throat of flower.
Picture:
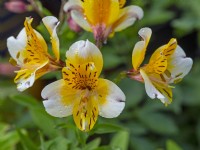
(102, 11)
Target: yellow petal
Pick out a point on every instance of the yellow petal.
(157, 64)
(140, 47)
(83, 52)
(51, 24)
(80, 77)
(110, 97)
(121, 3)
(101, 11)
(168, 49)
(36, 49)
(85, 113)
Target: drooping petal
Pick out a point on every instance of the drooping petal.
(140, 47)
(58, 99)
(83, 52)
(27, 75)
(127, 17)
(15, 46)
(51, 24)
(151, 91)
(74, 8)
(111, 99)
(85, 113)
(101, 11)
(179, 65)
(72, 4)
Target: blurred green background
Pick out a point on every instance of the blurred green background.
(144, 124)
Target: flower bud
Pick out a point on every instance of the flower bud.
(17, 6)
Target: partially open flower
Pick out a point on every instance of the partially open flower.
(167, 65)
(81, 92)
(29, 52)
(103, 17)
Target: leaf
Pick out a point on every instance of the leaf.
(93, 144)
(8, 139)
(134, 92)
(26, 141)
(158, 122)
(171, 145)
(106, 128)
(120, 141)
(138, 143)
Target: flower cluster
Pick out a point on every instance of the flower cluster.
(82, 92)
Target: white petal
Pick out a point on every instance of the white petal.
(114, 100)
(140, 47)
(179, 65)
(151, 91)
(52, 102)
(74, 7)
(51, 24)
(25, 83)
(71, 4)
(82, 52)
(79, 18)
(16, 45)
(128, 16)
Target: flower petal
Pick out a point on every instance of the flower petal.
(74, 7)
(128, 16)
(85, 113)
(151, 91)
(101, 11)
(16, 45)
(58, 99)
(140, 47)
(27, 75)
(111, 99)
(51, 24)
(79, 18)
(179, 65)
(83, 52)
(72, 4)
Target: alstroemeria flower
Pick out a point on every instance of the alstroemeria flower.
(29, 52)
(81, 92)
(167, 65)
(103, 17)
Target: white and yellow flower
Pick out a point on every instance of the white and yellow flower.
(29, 52)
(167, 65)
(81, 92)
(103, 17)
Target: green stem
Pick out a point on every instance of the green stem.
(120, 76)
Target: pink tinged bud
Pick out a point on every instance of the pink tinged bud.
(73, 25)
(17, 6)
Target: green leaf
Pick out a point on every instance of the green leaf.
(171, 145)
(25, 100)
(8, 139)
(158, 122)
(26, 141)
(138, 143)
(120, 141)
(106, 128)
(93, 144)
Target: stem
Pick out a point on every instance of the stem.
(121, 76)
(36, 7)
(61, 15)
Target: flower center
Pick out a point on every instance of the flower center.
(81, 77)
